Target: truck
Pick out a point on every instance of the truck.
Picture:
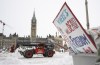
(46, 49)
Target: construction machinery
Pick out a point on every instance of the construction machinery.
(46, 49)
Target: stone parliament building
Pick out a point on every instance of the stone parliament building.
(14, 39)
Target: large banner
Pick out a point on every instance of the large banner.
(73, 32)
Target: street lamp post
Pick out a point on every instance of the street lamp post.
(87, 16)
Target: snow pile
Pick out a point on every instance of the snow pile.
(10, 61)
(7, 58)
(17, 59)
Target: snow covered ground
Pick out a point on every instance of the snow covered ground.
(17, 59)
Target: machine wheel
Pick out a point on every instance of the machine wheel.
(28, 54)
(45, 55)
(50, 53)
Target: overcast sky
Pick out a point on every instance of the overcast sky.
(17, 14)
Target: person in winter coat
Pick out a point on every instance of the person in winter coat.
(12, 49)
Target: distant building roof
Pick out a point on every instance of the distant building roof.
(23, 38)
(1, 34)
(41, 39)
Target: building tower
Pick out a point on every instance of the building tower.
(33, 28)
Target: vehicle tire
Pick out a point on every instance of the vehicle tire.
(28, 54)
(50, 53)
(45, 55)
